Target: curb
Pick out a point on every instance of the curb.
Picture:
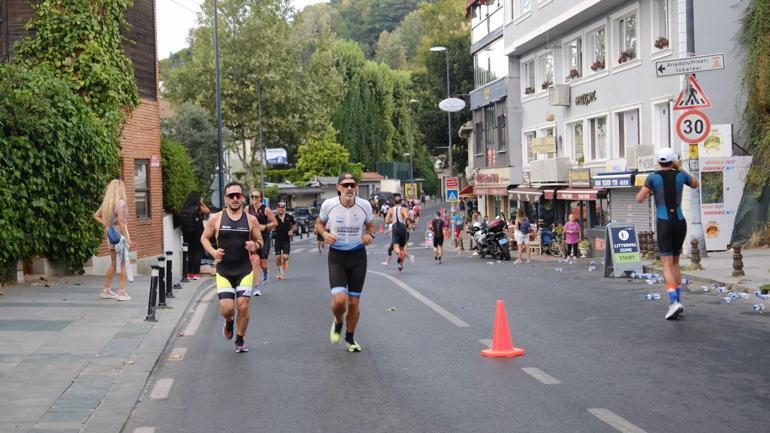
(119, 402)
(694, 277)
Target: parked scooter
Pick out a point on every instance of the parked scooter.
(491, 241)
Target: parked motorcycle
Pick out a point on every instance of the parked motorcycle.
(491, 240)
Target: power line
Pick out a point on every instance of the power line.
(183, 6)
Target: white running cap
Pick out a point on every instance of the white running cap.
(666, 155)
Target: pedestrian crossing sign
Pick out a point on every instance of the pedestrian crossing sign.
(452, 195)
(692, 96)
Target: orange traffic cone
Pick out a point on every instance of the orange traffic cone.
(381, 229)
(501, 338)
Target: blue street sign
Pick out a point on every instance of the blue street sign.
(452, 195)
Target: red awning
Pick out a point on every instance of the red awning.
(490, 190)
(549, 194)
(467, 191)
(579, 194)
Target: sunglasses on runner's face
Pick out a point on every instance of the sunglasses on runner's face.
(234, 196)
(256, 197)
(348, 185)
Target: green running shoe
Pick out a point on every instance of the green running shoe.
(334, 334)
(353, 347)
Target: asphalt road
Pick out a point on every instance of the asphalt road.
(599, 358)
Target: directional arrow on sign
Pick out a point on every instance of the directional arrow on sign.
(661, 69)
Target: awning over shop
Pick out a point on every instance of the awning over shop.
(549, 194)
(579, 194)
(622, 179)
(467, 191)
(525, 194)
(490, 190)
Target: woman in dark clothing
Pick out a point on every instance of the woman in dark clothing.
(192, 215)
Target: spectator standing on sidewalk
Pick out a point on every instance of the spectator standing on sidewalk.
(192, 215)
(523, 228)
(457, 222)
(571, 237)
(667, 185)
(113, 215)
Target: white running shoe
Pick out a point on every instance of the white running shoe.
(674, 310)
(257, 292)
(517, 262)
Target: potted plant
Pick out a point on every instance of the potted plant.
(597, 65)
(585, 247)
(661, 42)
(573, 73)
(626, 56)
(529, 90)
(546, 84)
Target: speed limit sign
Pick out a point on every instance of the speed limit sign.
(693, 126)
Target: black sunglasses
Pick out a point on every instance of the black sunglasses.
(234, 196)
(348, 185)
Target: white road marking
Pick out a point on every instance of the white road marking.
(430, 304)
(298, 250)
(541, 376)
(177, 354)
(410, 244)
(200, 310)
(411, 259)
(486, 342)
(144, 430)
(615, 420)
(161, 389)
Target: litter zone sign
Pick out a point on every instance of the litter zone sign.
(621, 253)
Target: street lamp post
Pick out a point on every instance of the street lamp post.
(411, 170)
(411, 146)
(448, 95)
(218, 98)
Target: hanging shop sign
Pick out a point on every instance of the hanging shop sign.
(580, 178)
(544, 145)
(614, 180)
(718, 143)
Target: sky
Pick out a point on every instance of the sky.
(177, 17)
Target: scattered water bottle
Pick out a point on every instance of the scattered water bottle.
(686, 281)
(660, 279)
(705, 288)
(727, 300)
(633, 275)
(762, 296)
(721, 289)
(743, 295)
(650, 282)
(733, 295)
(592, 267)
(557, 270)
(652, 297)
(758, 307)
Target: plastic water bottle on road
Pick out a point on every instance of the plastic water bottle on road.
(652, 297)
(592, 267)
(727, 300)
(758, 307)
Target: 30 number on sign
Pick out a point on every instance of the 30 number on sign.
(693, 126)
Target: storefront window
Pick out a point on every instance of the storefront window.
(599, 213)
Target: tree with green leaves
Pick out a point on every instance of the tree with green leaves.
(191, 126)
(178, 177)
(262, 63)
(321, 155)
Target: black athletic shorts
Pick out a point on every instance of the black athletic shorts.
(399, 237)
(347, 271)
(282, 247)
(671, 235)
(438, 241)
(264, 252)
(318, 237)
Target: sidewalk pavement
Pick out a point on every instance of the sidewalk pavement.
(718, 268)
(73, 362)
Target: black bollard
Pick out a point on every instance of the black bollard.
(162, 282)
(185, 265)
(151, 298)
(169, 275)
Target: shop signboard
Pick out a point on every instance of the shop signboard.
(647, 163)
(718, 143)
(580, 178)
(276, 156)
(721, 188)
(614, 180)
(621, 255)
(544, 145)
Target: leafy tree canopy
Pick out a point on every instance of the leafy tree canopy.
(192, 127)
(321, 155)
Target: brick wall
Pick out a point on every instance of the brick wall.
(141, 140)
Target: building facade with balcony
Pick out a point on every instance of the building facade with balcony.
(593, 112)
(493, 148)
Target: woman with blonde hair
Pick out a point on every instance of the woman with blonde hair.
(113, 215)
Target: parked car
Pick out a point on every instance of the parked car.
(305, 220)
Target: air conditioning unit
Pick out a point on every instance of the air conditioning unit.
(559, 94)
(549, 170)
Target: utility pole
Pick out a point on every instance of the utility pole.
(261, 143)
(218, 98)
(449, 114)
(696, 226)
